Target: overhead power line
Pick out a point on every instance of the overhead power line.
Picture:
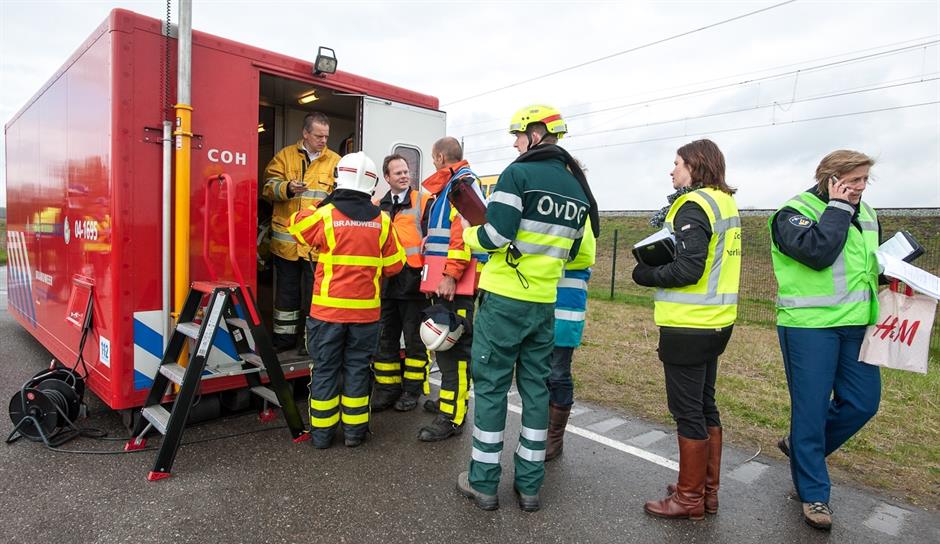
(735, 129)
(775, 103)
(779, 75)
(722, 78)
(619, 53)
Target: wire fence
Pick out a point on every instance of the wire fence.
(758, 289)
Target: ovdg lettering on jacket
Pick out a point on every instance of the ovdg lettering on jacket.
(566, 209)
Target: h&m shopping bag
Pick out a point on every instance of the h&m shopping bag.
(901, 337)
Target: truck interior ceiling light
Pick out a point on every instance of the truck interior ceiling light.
(304, 99)
(326, 63)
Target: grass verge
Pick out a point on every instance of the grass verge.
(898, 451)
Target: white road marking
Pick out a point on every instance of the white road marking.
(601, 439)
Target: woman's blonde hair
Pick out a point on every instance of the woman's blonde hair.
(838, 163)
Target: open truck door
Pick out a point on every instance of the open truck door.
(391, 127)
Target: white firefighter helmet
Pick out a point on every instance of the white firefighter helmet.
(441, 329)
(356, 172)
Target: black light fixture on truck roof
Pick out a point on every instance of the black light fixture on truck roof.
(326, 63)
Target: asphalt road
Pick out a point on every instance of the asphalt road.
(260, 487)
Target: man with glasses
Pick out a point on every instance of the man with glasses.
(299, 176)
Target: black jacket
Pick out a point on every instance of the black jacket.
(404, 285)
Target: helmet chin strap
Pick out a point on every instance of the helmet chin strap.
(528, 138)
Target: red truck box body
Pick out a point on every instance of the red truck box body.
(84, 165)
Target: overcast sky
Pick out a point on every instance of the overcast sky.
(770, 75)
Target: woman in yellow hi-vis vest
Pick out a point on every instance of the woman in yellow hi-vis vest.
(696, 306)
(824, 242)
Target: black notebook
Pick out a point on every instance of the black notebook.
(903, 246)
(657, 249)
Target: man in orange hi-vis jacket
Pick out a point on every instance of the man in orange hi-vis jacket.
(357, 246)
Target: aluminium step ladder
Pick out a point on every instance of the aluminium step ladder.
(223, 298)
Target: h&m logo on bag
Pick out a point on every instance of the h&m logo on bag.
(889, 329)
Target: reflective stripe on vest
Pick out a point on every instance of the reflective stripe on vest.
(842, 294)
(438, 240)
(328, 260)
(712, 301)
(408, 226)
(314, 194)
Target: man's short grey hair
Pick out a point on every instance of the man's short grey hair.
(315, 117)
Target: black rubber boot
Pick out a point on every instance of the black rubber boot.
(407, 402)
(441, 428)
(383, 399)
(430, 406)
(354, 441)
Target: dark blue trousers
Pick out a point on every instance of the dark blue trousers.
(340, 378)
(560, 382)
(832, 396)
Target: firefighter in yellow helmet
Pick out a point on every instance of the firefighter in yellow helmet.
(535, 221)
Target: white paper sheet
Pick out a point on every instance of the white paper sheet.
(918, 279)
(897, 246)
(655, 237)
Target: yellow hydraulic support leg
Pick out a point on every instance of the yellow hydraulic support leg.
(182, 136)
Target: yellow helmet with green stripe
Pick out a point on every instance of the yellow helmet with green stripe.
(538, 113)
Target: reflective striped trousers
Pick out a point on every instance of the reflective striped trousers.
(510, 336)
(340, 348)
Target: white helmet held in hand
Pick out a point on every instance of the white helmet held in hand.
(356, 172)
(442, 328)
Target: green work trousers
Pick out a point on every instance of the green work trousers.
(510, 336)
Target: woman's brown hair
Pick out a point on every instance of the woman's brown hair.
(838, 163)
(706, 164)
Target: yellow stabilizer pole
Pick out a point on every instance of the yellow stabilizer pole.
(183, 138)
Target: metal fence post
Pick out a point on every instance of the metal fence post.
(613, 266)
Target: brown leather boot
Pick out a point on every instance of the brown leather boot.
(713, 472)
(688, 500)
(557, 421)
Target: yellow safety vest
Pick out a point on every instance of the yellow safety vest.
(712, 301)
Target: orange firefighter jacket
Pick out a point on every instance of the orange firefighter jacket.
(292, 163)
(353, 257)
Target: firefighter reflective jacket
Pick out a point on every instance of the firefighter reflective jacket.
(842, 294)
(353, 257)
(292, 163)
(712, 301)
(445, 231)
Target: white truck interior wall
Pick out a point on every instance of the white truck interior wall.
(387, 125)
